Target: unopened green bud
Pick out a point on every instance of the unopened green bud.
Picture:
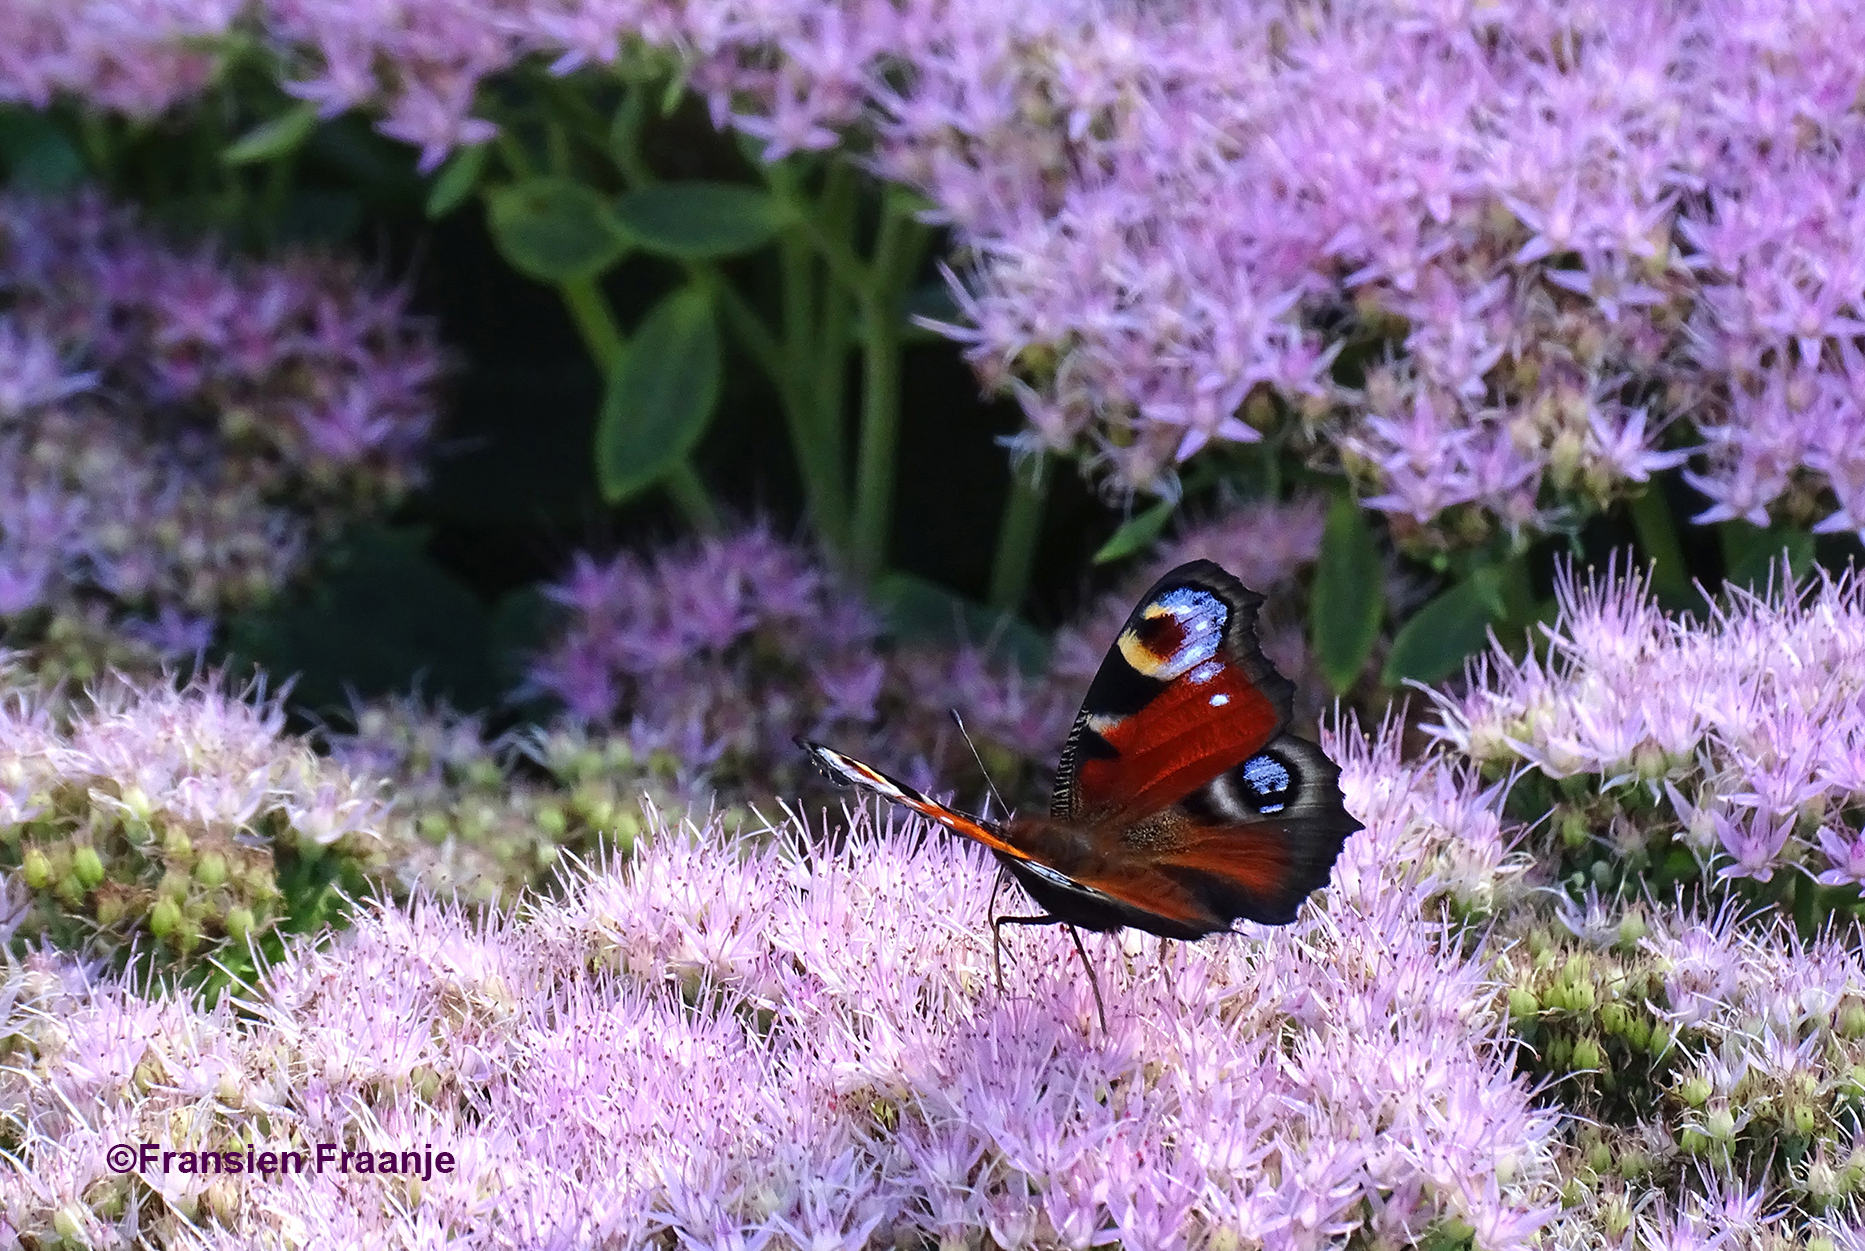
(164, 917)
(1822, 1183)
(36, 869)
(1581, 998)
(68, 1223)
(551, 819)
(1800, 1119)
(187, 934)
(1575, 830)
(211, 869)
(1599, 1158)
(177, 846)
(1614, 1018)
(1523, 1004)
(1694, 1091)
(88, 865)
(1693, 1142)
(174, 885)
(1615, 1215)
(1720, 1125)
(111, 908)
(239, 923)
(1632, 928)
(1586, 1055)
(1849, 1019)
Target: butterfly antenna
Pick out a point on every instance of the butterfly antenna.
(990, 785)
(1094, 983)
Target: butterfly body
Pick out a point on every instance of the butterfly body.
(1182, 802)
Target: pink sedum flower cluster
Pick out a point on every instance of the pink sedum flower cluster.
(178, 430)
(1746, 730)
(736, 1042)
(137, 57)
(721, 651)
(1568, 226)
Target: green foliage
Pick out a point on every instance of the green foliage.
(382, 618)
(661, 397)
(1349, 599)
(273, 138)
(458, 178)
(699, 221)
(554, 229)
(919, 611)
(1434, 643)
(1136, 534)
(1752, 556)
(35, 153)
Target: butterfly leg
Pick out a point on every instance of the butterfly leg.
(1094, 983)
(997, 938)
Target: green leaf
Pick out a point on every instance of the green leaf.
(555, 229)
(919, 611)
(1135, 533)
(37, 155)
(274, 138)
(1349, 600)
(1435, 642)
(699, 221)
(661, 398)
(1750, 553)
(383, 617)
(456, 180)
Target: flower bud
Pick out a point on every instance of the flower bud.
(164, 917)
(88, 865)
(239, 923)
(1632, 928)
(1586, 1055)
(1849, 1019)
(1719, 1125)
(68, 1223)
(1694, 1091)
(36, 869)
(1522, 1004)
(211, 869)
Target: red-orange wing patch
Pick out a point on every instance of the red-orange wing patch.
(1184, 694)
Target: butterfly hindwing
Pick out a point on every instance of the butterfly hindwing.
(1184, 694)
(1259, 837)
(1251, 843)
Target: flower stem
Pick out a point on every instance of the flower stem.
(815, 426)
(594, 320)
(1017, 535)
(897, 253)
(1657, 534)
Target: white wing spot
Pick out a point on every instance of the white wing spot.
(1218, 701)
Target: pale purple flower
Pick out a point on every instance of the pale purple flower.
(1845, 852)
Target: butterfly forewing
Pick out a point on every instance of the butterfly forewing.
(1183, 695)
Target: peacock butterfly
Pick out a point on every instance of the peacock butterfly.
(1181, 801)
